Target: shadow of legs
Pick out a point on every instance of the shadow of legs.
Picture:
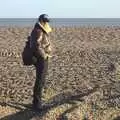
(68, 97)
(22, 115)
(27, 112)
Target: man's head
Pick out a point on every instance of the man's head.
(44, 22)
(43, 18)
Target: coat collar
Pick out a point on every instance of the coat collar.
(46, 27)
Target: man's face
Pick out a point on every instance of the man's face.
(42, 22)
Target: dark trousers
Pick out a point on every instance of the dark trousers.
(41, 71)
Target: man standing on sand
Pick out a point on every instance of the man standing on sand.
(41, 50)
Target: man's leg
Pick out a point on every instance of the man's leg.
(41, 70)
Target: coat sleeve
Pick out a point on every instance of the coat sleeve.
(39, 49)
(46, 44)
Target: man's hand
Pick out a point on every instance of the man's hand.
(47, 56)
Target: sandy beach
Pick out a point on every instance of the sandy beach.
(84, 68)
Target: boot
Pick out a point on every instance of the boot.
(37, 104)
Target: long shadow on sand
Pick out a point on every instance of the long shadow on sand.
(117, 118)
(27, 113)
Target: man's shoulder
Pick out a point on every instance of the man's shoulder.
(37, 26)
